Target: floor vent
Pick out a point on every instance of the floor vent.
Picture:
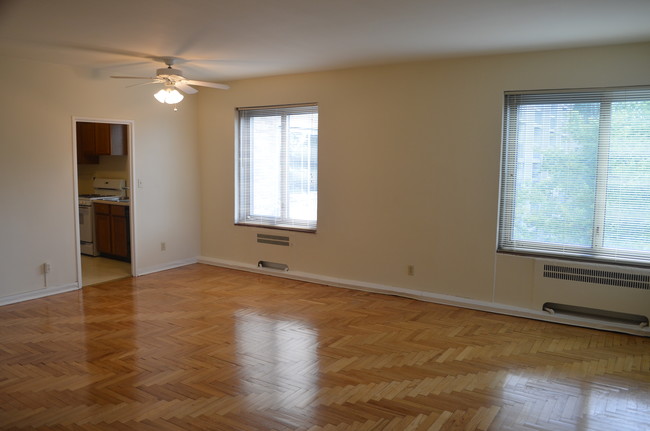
(609, 278)
(273, 239)
(273, 265)
(612, 316)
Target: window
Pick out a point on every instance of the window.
(277, 167)
(575, 175)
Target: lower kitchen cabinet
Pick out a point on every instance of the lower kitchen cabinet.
(112, 231)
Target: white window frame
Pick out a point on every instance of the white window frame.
(509, 167)
(244, 211)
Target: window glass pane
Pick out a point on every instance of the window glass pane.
(627, 215)
(302, 165)
(266, 140)
(557, 149)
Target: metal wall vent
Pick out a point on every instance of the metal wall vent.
(609, 278)
(273, 239)
(273, 265)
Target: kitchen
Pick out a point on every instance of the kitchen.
(103, 179)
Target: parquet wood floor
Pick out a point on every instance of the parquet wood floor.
(206, 348)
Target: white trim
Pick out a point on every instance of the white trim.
(40, 293)
(132, 197)
(166, 266)
(132, 179)
(75, 190)
(455, 301)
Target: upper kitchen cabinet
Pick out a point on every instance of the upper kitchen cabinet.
(100, 139)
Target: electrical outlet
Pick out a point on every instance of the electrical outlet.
(47, 268)
(410, 270)
(163, 246)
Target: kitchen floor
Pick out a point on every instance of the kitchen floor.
(99, 269)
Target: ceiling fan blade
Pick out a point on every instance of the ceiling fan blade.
(182, 85)
(134, 77)
(143, 83)
(207, 84)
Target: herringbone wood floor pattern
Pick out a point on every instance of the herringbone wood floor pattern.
(206, 348)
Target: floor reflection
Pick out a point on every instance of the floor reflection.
(279, 359)
(203, 348)
(110, 344)
(561, 400)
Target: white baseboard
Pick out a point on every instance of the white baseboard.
(39, 293)
(165, 266)
(433, 297)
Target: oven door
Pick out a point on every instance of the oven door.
(87, 229)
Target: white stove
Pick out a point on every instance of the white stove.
(104, 189)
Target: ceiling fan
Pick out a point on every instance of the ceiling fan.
(173, 79)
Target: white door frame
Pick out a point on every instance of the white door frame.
(132, 190)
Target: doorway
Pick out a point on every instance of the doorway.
(103, 151)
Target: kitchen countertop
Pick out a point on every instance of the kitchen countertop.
(118, 203)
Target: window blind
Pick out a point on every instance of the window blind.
(277, 161)
(575, 174)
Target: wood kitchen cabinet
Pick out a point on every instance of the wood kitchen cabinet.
(86, 148)
(100, 139)
(112, 231)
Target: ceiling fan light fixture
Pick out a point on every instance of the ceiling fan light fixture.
(173, 80)
(168, 95)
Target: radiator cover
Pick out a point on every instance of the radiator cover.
(600, 287)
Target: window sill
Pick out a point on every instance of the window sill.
(276, 227)
(574, 258)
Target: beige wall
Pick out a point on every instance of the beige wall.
(409, 161)
(37, 172)
(409, 169)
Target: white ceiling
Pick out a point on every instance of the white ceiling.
(221, 40)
